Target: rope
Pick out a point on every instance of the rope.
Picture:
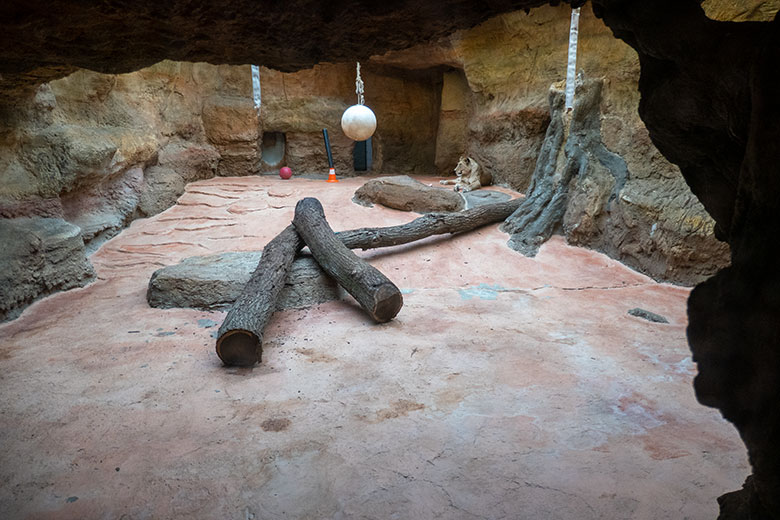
(359, 86)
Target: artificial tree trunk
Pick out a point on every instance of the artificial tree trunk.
(239, 339)
(572, 150)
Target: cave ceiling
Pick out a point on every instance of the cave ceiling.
(43, 40)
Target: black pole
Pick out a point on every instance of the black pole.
(327, 147)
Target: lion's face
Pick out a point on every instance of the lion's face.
(463, 166)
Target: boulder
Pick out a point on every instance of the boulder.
(404, 193)
(39, 256)
(215, 281)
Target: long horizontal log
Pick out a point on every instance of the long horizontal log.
(373, 290)
(239, 339)
(428, 225)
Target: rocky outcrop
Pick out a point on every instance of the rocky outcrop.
(121, 38)
(216, 281)
(713, 110)
(586, 191)
(498, 102)
(407, 194)
(39, 256)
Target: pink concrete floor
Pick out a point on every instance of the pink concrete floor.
(507, 387)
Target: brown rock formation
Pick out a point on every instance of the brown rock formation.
(495, 108)
(126, 36)
(404, 193)
(713, 110)
(708, 99)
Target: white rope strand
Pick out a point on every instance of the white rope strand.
(359, 86)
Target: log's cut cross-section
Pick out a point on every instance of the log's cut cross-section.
(372, 290)
(239, 340)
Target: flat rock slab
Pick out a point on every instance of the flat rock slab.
(404, 193)
(482, 197)
(216, 281)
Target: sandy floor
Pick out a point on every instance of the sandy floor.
(507, 387)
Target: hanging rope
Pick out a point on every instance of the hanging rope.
(359, 86)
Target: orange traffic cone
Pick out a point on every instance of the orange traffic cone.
(332, 175)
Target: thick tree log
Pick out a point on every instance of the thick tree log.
(372, 290)
(239, 340)
(428, 225)
(240, 337)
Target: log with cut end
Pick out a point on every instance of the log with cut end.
(240, 336)
(239, 340)
(372, 290)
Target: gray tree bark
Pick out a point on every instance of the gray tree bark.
(372, 290)
(567, 155)
(239, 340)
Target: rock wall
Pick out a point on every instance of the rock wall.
(509, 62)
(98, 150)
(90, 152)
(713, 109)
(300, 105)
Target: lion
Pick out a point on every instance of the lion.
(469, 175)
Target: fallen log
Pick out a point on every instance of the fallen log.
(372, 290)
(239, 340)
(428, 225)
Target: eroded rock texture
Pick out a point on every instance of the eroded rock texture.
(494, 107)
(122, 36)
(38, 256)
(713, 109)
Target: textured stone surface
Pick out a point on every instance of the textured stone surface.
(713, 110)
(647, 315)
(742, 10)
(216, 281)
(655, 225)
(519, 390)
(407, 194)
(122, 36)
(39, 256)
(484, 196)
(585, 190)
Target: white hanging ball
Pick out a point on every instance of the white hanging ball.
(358, 122)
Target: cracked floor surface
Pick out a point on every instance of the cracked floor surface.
(507, 387)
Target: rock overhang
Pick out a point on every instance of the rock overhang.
(122, 36)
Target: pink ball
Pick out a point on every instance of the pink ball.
(285, 172)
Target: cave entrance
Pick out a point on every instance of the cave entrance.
(273, 148)
(362, 155)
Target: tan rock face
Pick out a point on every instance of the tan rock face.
(406, 105)
(509, 63)
(742, 10)
(99, 150)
